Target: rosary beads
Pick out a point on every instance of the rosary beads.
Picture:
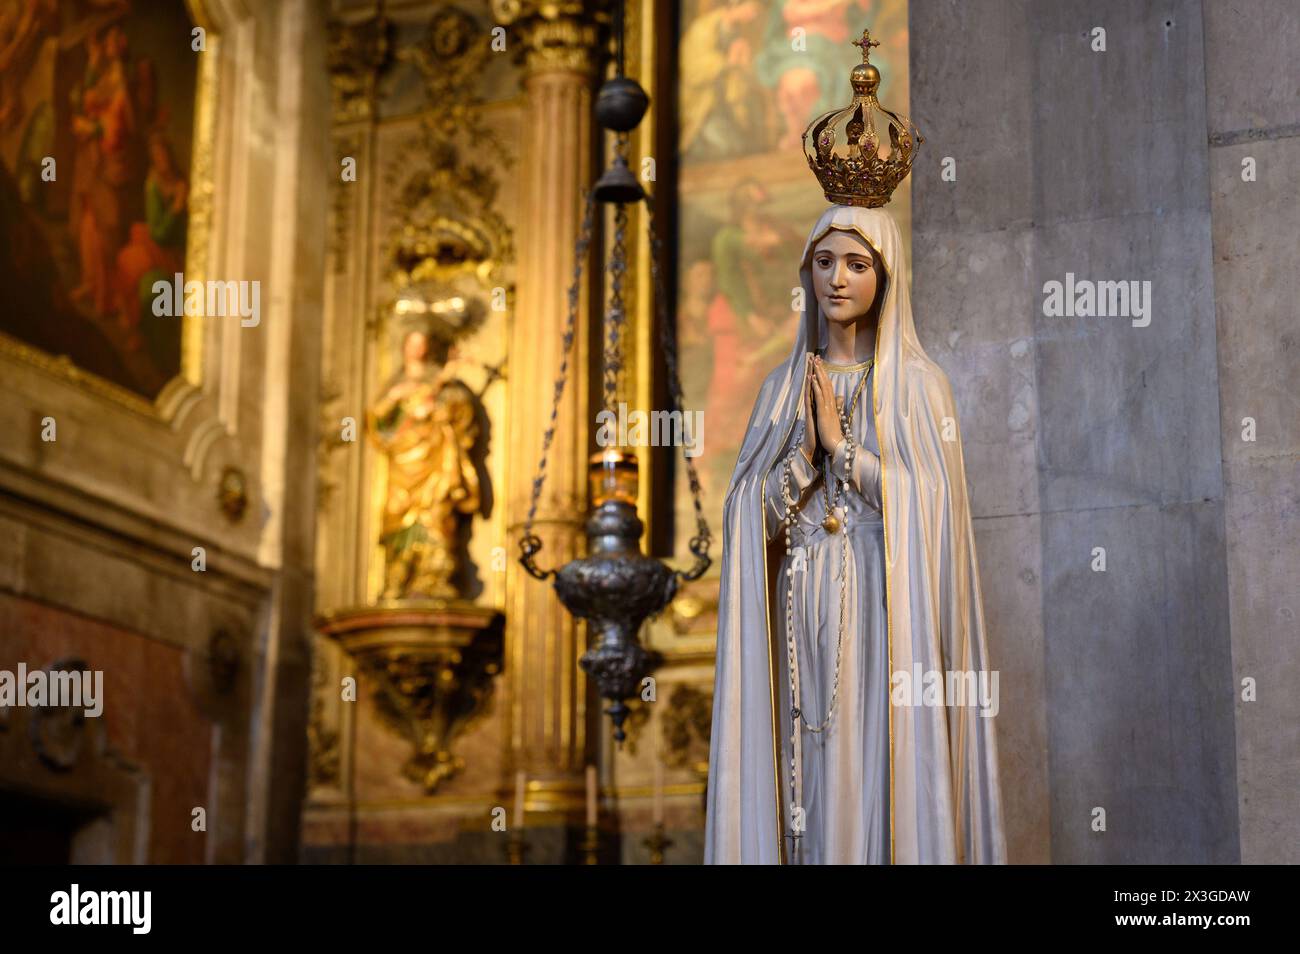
(831, 524)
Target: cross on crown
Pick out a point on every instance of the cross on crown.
(866, 43)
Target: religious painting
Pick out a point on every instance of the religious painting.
(752, 75)
(96, 114)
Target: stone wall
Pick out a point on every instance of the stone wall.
(1106, 432)
(1253, 113)
(206, 673)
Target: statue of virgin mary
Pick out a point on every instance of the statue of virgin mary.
(848, 565)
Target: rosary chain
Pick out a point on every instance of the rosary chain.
(831, 498)
(796, 711)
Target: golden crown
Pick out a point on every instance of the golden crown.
(857, 174)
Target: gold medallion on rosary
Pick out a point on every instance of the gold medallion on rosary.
(831, 523)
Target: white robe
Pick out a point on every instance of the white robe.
(944, 802)
(843, 780)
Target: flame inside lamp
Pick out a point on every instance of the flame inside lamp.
(613, 476)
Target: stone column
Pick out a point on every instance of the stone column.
(548, 693)
(1254, 137)
(1097, 434)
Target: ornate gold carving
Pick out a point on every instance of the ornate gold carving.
(638, 719)
(232, 494)
(451, 58)
(443, 200)
(357, 56)
(555, 34)
(322, 740)
(686, 728)
(433, 666)
(329, 441)
(449, 227)
(341, 202)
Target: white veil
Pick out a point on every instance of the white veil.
(944, 797)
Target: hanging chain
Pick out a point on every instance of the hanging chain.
(616, 313)
(530, 543)
(700, 543)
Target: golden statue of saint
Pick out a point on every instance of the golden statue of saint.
(425, 424)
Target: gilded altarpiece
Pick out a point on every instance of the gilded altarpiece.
(415, 109)
(421, 244)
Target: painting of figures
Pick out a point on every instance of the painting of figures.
(96, 113)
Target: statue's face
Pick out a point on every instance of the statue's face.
(415, 346)
(846, 276)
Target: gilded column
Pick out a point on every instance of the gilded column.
(547, 690)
